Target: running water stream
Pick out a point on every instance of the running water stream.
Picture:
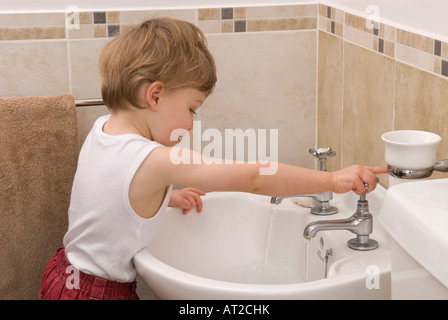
(307, 253)
(269, 236)
(274, 271)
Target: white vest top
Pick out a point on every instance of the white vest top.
(104, 232)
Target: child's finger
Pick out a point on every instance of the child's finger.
(197, 191)
(199, 204)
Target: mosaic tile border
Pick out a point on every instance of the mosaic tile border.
(103, 24)
(97, 24)
(46, 26)
(253, 19)
(417, 50)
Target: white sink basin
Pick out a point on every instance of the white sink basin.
(238, 248)
(416, 217)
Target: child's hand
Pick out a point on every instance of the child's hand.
(186, 199)
(354, 177)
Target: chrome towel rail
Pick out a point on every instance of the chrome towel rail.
(89, 102)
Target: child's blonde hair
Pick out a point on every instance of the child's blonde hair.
(171, 51)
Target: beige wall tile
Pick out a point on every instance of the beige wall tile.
(209, 14)
(84, 56)
(322, 10)
(359, 37)
(339, 15)
(33, 68)
(99, 31)
(86, 118)
(339, 29)
(322, 23)
(421, 101)
(137, 17)
(271, 12)
(356, 22)
(86, 17)
(239, 13)
(389, 49)
(368, 105)
(390, 33)
(266, 81)
(415, 57)
(113, 17)
(329, 116)
(281, 24)
(381, 30)
(21, 20)
(437, 65)
(227, 26)
(375, 45)
(210, 26)
(445, 50)
(32, 33)
(84, 31)
(415, 41)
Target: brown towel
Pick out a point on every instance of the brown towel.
(38, 157)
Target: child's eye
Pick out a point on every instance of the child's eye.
(192, 111)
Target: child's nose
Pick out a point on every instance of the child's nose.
(190, 126)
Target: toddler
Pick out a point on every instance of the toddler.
(154, 78)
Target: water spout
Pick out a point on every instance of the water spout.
(360, 223)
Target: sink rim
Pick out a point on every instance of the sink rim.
(207, 282)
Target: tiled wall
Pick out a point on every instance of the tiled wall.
(266, 60)
(288, 67)
(417, 50)
(373, 80)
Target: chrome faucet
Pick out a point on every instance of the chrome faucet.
(324, 207)
(360, 223)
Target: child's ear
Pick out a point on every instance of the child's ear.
(154, 92)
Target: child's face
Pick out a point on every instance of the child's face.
(176, 109)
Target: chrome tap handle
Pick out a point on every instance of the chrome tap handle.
(322, 154)
(366, 186)
(362, 196)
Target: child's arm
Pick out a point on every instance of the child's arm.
(287, 181)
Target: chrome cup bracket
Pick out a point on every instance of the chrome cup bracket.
(441, 165)
(409, 173)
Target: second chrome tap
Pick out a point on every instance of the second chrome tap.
(324, 207)
(360, 223)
